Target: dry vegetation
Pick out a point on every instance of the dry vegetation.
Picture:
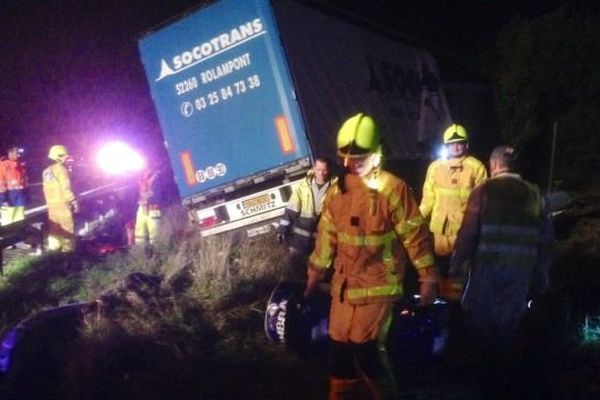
(185, 320)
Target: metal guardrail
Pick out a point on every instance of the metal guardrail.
(36, 217)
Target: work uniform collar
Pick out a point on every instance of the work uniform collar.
(456, 162)
(507, 174)
(355, 181)
(13, 162)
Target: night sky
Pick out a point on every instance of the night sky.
(71, 74)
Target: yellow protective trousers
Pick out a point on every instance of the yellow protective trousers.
(147, 224)
(61, 228)
(8, 215)
(443, 245)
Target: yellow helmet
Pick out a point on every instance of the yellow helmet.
(455, 133)
(358, 136)
(58, 152)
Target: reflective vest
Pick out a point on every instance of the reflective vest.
(13, 181)
(447, 187)
(505, 248)
(301, 214)
(366, 233)
(511, 222)
(57, 185)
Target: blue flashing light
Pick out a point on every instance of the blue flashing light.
(9, 341)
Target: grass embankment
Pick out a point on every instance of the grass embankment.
(184, 320)
(573, 305)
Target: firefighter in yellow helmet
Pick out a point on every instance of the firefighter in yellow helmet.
(447, 187)
(369, 224)
(60, 200)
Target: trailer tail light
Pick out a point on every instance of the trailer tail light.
(212, 216)
(208, 221)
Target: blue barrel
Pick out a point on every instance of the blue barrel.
(302, 324)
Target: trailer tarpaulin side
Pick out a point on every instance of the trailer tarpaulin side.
(340, 69)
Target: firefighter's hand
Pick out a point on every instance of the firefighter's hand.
(313, 279)
(310, 290)
(280, 238)
(428, 292)
(451, 289)
(429, 278)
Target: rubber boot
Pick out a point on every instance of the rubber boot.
(344, 389)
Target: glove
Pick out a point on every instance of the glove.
(451, 289)
(280, 238)
(313, 279)
(75, 206)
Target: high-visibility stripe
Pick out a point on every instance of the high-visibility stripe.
(384, 356)
(367, 240)
(325, 257)
(375, 291)
(508, 249)
(507, 261)
(188, 168)
(283, 132)
(510, 229)
(425, 261)
(302, 232)
(409, 225)
(293, 207)
(388, 259)
(531, 241)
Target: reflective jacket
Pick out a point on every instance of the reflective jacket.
(57, 185)
(301, 215)
(447, 187)
(13, 181)
(505, 246)
(150, 194)
(366, 233)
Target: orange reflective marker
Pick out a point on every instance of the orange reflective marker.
(188, 168)
(285, 138)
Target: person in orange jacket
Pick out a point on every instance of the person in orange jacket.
(13, 183)
(61, 201)
(369, 225)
